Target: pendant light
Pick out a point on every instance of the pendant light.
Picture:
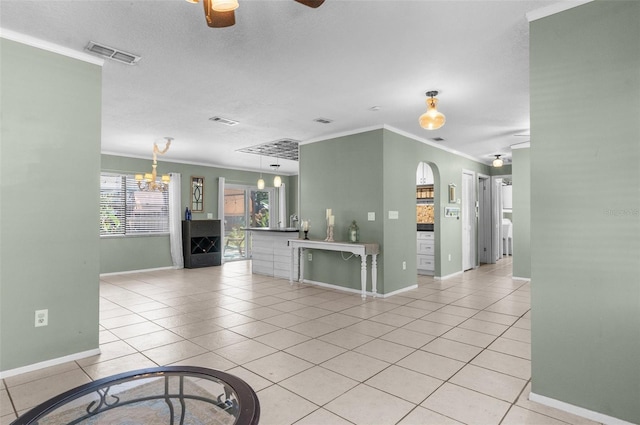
(277, 181)
(432, 119)
(498, 161)
(260, 183)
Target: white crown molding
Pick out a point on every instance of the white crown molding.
(51, 47)
(523, 145)
(543, 12)
(395, 130)
(341, 134)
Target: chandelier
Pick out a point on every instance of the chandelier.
(149, 181)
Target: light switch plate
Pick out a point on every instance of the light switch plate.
(393, 215)
(209, 216)
(371, 216)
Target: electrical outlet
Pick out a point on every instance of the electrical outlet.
(404, 265)
(371, 216)
(42, 318)
(310, 256)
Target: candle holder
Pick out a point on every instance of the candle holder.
(306, 235)
(329, 233)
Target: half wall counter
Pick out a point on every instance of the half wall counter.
(269, 251)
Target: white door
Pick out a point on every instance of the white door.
(496, 219)
(468, 221)
(484, 220)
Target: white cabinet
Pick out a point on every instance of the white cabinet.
(424, 174)
(426, 253)
(270, 253)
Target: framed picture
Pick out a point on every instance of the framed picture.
(197, 194)
(452, 193)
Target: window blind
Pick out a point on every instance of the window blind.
(127, 210)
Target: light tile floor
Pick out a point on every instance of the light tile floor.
(449, 352)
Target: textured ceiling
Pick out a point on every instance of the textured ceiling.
(284, 65)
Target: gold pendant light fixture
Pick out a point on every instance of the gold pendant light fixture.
(149, 181)
(432, 119)
(260, 183)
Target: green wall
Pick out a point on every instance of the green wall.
(375, 171)
(521, 178)
(118, 254)
(50, 154)
(585, 207)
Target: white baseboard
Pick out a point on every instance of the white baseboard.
(578, 411)
(48, 363)
(527, 279)
(137, 271)
(448, 276)
(338, 287)
(358, 291)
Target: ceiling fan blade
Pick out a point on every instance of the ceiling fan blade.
(311, 3)
(218, 19)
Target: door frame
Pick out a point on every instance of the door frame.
(484, 220)
(470, 218)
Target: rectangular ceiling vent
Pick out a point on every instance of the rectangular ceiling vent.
(438, 139)
(111, 53)
(323, 120)
(225, 121)
(282, 149)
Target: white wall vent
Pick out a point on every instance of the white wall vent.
(111, 53)
(225, 121)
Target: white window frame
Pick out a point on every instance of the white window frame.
(131, 212)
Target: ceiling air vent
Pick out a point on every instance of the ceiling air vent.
(438, 139)
(111, 53)
(224, 121)
(323, 120)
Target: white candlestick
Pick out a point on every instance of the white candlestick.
(328, 213)
(332, 220)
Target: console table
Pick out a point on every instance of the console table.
(360, 249)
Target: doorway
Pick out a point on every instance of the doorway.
(244, 207)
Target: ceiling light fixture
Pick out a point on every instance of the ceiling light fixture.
(149, 181)
(260, 180)
(498, 162)
(432, 119)
(277, 180)
(221, 13)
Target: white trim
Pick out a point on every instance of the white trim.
(523, 145)
(579, 411)
(399, 291)
(338, 287)
(48, 46)
(48, 363)
(397, 131)
(552, 9)
(358, 291)
(341, 134)
(527, 279)
(430, 143)
(138, 271)
(448, 276)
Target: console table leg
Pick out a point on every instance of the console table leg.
(363, 275)
(374, 274)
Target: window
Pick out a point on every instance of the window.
(126, 210)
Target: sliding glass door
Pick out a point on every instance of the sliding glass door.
(244, 207)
